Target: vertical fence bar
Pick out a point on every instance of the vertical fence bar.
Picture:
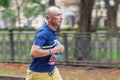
(66, 47)
(11, 45)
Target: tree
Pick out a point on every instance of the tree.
(9, 17)
(51, 2)
(5, 3)
(19, 5)
(32, 8)
(7, 14)
(83, 37)
(112, 8)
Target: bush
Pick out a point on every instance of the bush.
(19, 29)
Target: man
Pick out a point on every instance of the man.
(42, 64)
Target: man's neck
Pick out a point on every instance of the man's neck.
(51, 26)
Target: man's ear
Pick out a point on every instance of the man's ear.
(48, 18)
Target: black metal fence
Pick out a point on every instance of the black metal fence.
(104, 49)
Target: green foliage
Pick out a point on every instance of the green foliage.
(34, 1)
(34, 8)
(27, 10)
(68, 29)
(101, 28)
(5, 3)
(17, 29)
(9, 13)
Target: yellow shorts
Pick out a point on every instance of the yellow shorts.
(54, 75)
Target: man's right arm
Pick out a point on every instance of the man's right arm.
(36, 51)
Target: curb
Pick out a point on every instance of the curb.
(11, 77)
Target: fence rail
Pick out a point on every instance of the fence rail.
(104, 49)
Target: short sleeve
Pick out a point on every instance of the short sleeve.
(40, 38)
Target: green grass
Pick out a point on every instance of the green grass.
(114, 54)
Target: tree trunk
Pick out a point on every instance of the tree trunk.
(18, 11)
(112, 17)
(51, 2)
(83, 46)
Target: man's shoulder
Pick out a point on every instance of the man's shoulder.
(42, 31)
(42, 28)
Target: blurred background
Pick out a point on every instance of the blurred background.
(89, 31)
(30, 13)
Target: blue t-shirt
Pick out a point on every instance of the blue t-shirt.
(44, 36)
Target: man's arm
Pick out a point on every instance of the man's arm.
(36, 51)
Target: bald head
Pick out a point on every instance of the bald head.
(51, 10)
(53, 17)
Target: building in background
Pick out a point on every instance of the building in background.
(70, 12)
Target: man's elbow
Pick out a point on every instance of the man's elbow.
(33, 52)
(33, 55)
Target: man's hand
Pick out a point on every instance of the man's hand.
(57, 49)
(58, 43)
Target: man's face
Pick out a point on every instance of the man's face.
(56, 18)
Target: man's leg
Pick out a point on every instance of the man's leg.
(38, 76)
(56, 74)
